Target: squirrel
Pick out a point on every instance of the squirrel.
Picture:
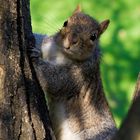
(68, 67)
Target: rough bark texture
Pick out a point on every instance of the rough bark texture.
(130, 129)
(23, 111)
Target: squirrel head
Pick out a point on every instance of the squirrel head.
(79, 35)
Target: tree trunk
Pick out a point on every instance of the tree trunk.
(130, 129)
(23, 110)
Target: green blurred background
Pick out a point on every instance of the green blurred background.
(120, 44)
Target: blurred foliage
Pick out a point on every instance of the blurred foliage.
(120, 44)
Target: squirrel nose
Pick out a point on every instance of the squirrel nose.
(73, 39)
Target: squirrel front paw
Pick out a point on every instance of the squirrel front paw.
(33, 53)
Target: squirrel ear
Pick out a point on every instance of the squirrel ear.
(78, 9)
(103, 26)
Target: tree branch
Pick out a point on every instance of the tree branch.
(130, 129)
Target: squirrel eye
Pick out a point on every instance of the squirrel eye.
(93, 37)
(65, 23)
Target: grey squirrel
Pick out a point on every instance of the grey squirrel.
(69, 70)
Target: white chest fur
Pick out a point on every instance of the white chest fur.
(63, 131)
(52, 52)
(67, 133)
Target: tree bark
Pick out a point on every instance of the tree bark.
(23, 110)
(130, 129)
(137, 89)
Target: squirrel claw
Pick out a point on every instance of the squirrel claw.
(34, 53)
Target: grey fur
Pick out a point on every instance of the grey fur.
(74, 89)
